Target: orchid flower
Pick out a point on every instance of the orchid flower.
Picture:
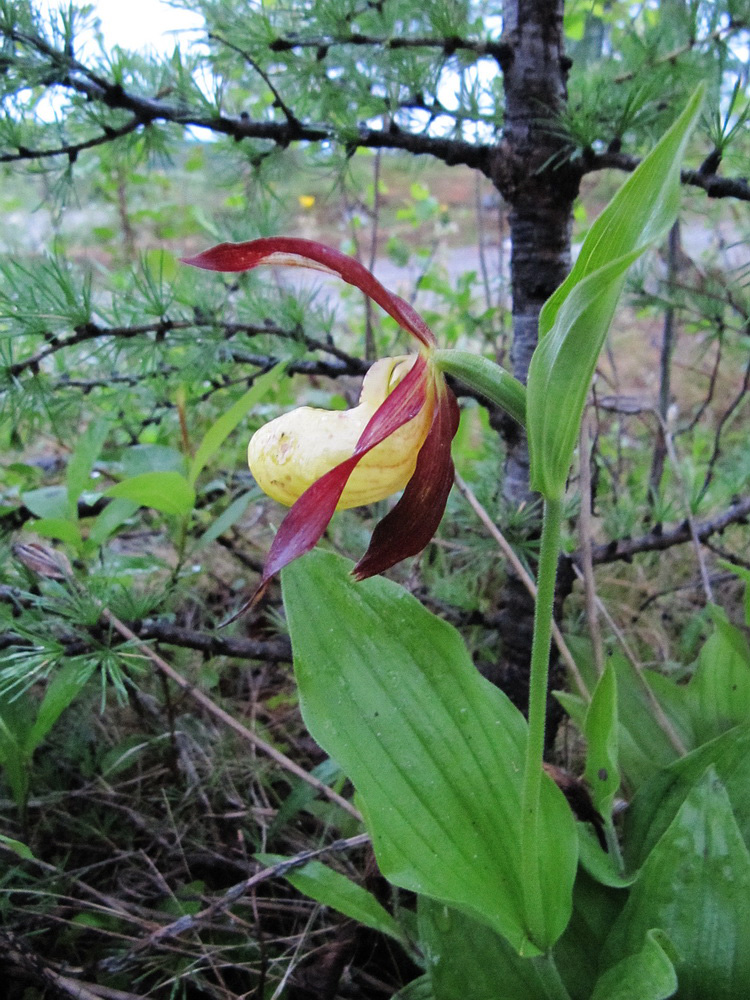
(399, 437)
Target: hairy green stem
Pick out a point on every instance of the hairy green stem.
(532, 779)
(488, 378)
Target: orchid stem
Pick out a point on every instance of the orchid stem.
(487, 378)
(532, 779)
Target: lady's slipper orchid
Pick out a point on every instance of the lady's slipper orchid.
(399, 436)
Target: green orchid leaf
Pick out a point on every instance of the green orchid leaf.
(576, 317)
(469, 960)
(600, 729)
(644, 747)
(647, 975)
(333, 889)
(719, 691)
(694, 886)
(434, 751)
(595, 909)
(574, 706)
(742, 573)
(168, 492)
(600, 865)
(659, 800)
(220, 431)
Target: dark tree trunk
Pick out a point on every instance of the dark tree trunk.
(537, 180)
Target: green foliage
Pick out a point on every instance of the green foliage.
(647, 974)
(600, 728)
(333, 889)
(24, 726)
(658, 800)
(168, 492)
(220, 431)
(466, 958)
(576, 318)
(693, 886)
(129, 389)
(433, 750)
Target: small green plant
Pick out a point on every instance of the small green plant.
(448, 773)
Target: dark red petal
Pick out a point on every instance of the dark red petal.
(309, 516)
(291, 250)
(406, 529)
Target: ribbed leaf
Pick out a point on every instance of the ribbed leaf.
(469, 961)
(695, 886)
(719, 692)
(658, 801)
(647, 975)
(644, 748)
(595, 909)
(575, 319)
(601, 725)
(434, 751)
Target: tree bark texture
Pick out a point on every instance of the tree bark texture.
(534, 174)
(536, 179)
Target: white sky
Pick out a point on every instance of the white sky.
(140, 24)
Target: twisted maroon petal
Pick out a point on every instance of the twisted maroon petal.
(308, 518)
(296, 252)
(406, 529)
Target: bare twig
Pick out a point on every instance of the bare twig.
(18, 954)
(93, 331)
(193, 922)
(716, 578)
(740, 398)
(496, 50)
(75, 75)
(524, 576)
(714, 185)
(278, 99)
(659, 540)
(730, 557)
(705, 578)
(247, 734)
(665, 367)
(659, 714)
